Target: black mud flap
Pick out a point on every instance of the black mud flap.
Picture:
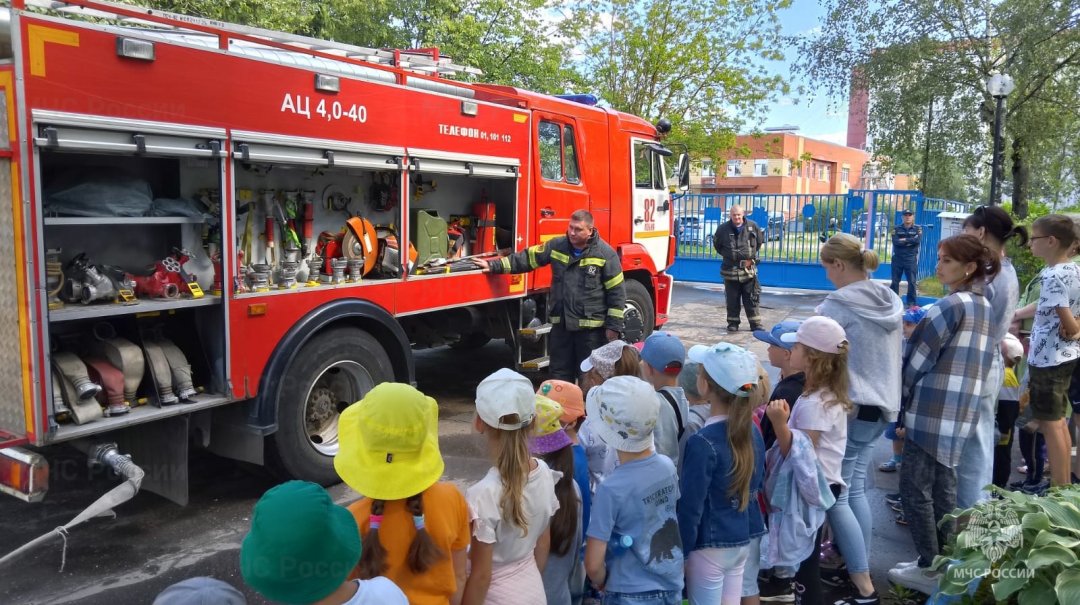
(161, 450)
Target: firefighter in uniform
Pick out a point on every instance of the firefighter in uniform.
(906, 239)
(737, 241)
(587, 296)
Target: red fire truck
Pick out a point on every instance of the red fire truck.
(221, 236)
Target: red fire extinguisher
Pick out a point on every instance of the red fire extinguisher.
(484, 211)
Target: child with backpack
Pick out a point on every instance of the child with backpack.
(513, 504)
(718, 510)
(415, 527)
(662, 358)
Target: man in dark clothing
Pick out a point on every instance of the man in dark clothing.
(587, 298)
(738, 241)
(906, 239)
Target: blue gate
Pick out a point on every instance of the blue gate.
(795, 225)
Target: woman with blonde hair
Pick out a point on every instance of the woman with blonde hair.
(871, 316)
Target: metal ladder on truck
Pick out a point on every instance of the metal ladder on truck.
(240, 39)
(531, 338)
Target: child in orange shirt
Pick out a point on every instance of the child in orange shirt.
(415, 528)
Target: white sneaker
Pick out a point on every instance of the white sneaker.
(906, 564)
(916, 578)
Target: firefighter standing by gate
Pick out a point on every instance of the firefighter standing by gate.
(587, 295)
(906, 239)
(738, 240)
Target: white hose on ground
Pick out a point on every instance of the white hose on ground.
(108, 455)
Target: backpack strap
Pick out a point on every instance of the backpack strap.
(675, 406)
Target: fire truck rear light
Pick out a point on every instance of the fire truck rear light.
(23, 474)
(469, 108)
(135, 49)
(325, 83)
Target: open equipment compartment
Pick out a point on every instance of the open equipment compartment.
(131, 225)
(324, 213)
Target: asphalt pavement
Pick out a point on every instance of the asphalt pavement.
(152, 543)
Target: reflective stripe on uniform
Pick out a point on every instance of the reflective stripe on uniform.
(555, 319)
(620, 313)
(599, 262)
(532, 255)
(611, 283)
(591, 323)
(559, 256)
(506, 263)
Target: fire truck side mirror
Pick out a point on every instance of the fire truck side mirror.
(682, 169)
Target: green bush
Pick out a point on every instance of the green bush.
(1021, 549)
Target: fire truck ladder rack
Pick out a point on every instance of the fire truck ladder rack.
(425, 61)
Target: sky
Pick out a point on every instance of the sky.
(811, 112)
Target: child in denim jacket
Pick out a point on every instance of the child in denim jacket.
(721, 476)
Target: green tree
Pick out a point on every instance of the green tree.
(700, 64)
(916, 52)
(513, 42)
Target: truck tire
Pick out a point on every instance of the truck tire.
(640, 316)
(331, 372)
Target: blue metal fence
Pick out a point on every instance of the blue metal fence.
(795, 225)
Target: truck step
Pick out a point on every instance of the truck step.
(536, 364)
(535, 331)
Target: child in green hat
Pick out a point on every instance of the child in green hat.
(302, 548)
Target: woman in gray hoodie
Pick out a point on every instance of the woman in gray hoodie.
(871, 315)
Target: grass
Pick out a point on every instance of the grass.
(930, 286)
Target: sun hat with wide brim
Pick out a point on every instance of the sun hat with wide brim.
(301, 546)
(389, 443)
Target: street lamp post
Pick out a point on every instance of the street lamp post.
(999, 87)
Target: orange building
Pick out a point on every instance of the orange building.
(782, 163)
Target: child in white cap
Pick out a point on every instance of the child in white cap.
(821, 352)
(513, 504)
(633, 549)
(723, 471)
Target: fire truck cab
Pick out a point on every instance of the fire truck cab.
(217, 236)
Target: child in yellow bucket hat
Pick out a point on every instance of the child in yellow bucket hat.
(415, 528)
(564, 574)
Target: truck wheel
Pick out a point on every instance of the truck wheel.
(640, 317)
(473, 340)
(331, 372)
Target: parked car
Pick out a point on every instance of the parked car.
(882, 224)
(690, 229)
(774, 228)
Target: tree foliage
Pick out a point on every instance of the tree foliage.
(914, 54)
(513, 42)
(700, 64)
